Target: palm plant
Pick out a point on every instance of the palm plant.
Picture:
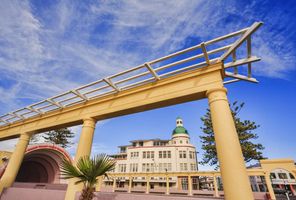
(87, 171)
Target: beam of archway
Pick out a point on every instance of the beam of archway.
(185, 87)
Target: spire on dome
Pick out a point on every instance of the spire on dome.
(179, 127)
(179, 122)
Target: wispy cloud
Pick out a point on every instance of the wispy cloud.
(47, 49)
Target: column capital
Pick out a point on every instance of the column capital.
(89, 122)
(222, 89)
(26, 135)
(217, 94)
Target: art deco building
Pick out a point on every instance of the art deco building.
(158, 155)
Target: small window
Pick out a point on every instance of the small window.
(283, 176)
(181, 141)
(272, 175)
(160, 154)
(291, 176)
(169, 154)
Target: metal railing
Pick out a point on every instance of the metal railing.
(223, 49)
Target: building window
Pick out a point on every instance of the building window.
(183, 167)
(195, 183)
(184, 183)
(169, 167)
(272, 175)
(282, 175)
(182, 154)
(134, 155)
(291, 176)
(141, 144)
(122, 167)
(164, 154)
(193, 167)
(165, 167)
(122, 149)
(191, 154)
(181, 141)
(148, 154)
(169, 154)
(147, 167)
(134, 167)
(159, 143)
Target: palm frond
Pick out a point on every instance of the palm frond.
(87, 170)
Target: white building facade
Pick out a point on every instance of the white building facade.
(157, 155)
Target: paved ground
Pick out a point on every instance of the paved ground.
(125, 196)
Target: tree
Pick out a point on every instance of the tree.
(35, 139)
(60, 137)
(245, 130)
(87, 171)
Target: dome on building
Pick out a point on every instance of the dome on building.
(180, 130)
(179, 127)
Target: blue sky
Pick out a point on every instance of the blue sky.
(48, 47)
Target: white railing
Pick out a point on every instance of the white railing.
(223, 49)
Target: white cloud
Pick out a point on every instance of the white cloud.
(8, 145)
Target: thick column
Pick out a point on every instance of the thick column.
(269, 186)
(190, 186)
(15, 161)
(147, 184)
(233, 171)
(216, 193)
(167, 185)
(130, 182)
(83, 149)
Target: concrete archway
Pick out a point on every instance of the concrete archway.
(41, 164)
(283, 179)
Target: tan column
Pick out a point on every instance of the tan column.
(130, 182)
(147, 184)
(269, 186)
(15, 161)
(190, 186)
(216, 194)
(167, 186)
(114, 184)
(83, 149)
(99, 184)
(233, 171)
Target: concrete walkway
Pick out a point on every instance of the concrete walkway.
(133, 196)
(14, 193)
